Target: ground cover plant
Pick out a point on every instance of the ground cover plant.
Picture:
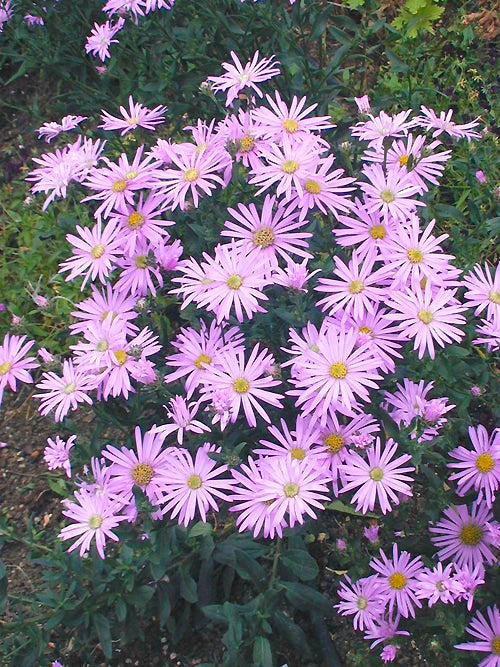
(255, 246)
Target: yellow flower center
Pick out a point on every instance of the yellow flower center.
(263, 237)
(142, 474)
(290, 125)
(334, 442)
(191, 175)
(133, 120)
(241, 386)
(471, 534)
(201, 360)
(289, 166)
(414, 255)
(201, 147)
(494, 297)
(247, 144)
(97, 251)
(130, 175)
(425, 316)
(194, 482)
(291, 489)
(120, 356)
(397, 580)
(338, 370)
(495, 645)
(377, 232)
(387, 196)
(95, 521)
(119, 186)
(485, 462)
(102, 346)
(366, 330)
(361, 602)
(5, 367)
(356, 287)
(376, 474)
(312, 186)
(69, 388)
(141, 261)
(403, 160)
(297, 453)
(135, 220)
(234, 281)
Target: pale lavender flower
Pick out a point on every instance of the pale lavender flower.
(101, 37)
(56, 454)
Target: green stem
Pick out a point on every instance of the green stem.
(277, 554)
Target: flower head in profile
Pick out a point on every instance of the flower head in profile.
(238, 76)
(443, 123)
(137, 115)
(53, 129)
(56, 454)
(101, 38)
(14, 365)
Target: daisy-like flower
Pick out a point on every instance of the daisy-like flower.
(100, 338)
(239, 131)
(361, 599)
(95, 252)
(14, 365)
(56, 454)
(468, 580)
(247, 382)
(368, 231)
(281, 121)
(101, 38)
(478, 468)
(136, 116)
(55, 173)
(488, 334)
(237, 77)
(398, 579)
(390, 192)
(275, 233)
(359, 289)
(412, 255)
(384, 629)
(430, 121)
(183, 416)
(65, 392)
(487, 631)
(332, 376)
(427, 316)
(294, 276)
(102, 303)
(95, 517)
(438, 585)
(138, 269)
(483, 291)
(236, 280)
(377, 478)
(192, 486)
(142, 467)
(464, 537)
(377, 128)
(299, 444)
(52, 130)
(292, 488)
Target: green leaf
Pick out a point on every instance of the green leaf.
(121, 610)
(301, 563)
(101, 625)
(3, 587)
(188, 587)
(306, 598)
(262, 654)
(338, 506)
(200, 528)
(397, 65)
(140, 596)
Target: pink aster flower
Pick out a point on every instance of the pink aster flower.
(363, 104)
(483, 291)
(388, 653)
(300, 444)
(384, 629)
(377, 128)
(101, 37)
(274, 232)
(368, 230)
(488, 334)
(236, 279)
(246, 381)
(237, 77)
(292, 122)
(95, 253)
(377, 478)
(56, 454)
(52, 130)
(14, 365)
(361, 599)
(430, 121)
(468, 580)
(293, 490)
(390, 192)
(55, 173)
(65, 392)
(140, 272)
(427, 316)
(438, 585)
(94, 518)
(371, 533)
(182, 414)
(398, 580)
(464, 537)
(487, 631)
(192, 486)
(478, 468)
(142, 467)
(294, 276)
(104, 302)
(136, 116)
